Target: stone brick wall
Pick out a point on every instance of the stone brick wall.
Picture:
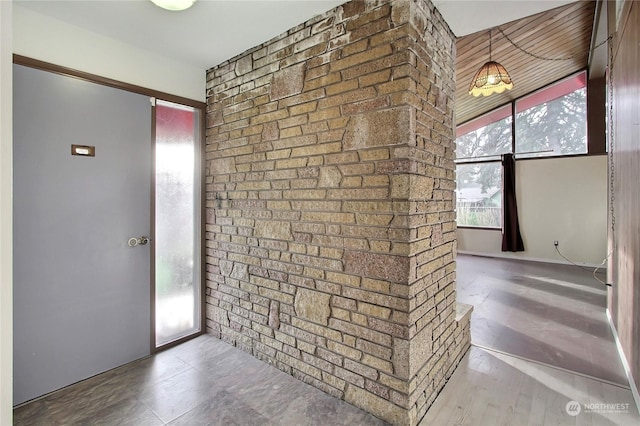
(330, 225)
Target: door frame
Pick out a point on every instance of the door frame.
(199, 171)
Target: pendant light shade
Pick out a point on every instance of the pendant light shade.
(174, 5)
(492, 77)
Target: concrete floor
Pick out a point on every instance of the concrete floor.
(542, 342)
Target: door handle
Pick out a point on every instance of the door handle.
(135, 241)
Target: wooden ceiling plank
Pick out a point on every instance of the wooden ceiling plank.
(561, 32)
(569, 43)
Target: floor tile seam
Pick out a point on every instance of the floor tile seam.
(197, 364)
(555, 367)
(183, 415)
(136, 401)
(151, 410)
(157, 415)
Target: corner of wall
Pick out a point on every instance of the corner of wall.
(6, 226)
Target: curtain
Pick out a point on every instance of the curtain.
(511, 238)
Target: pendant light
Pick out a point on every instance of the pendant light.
(492, 77)
(174, 5)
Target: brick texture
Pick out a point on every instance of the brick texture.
(330, 234)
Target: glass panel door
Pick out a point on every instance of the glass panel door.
(177, 222)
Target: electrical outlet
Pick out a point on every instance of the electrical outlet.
(555, 243)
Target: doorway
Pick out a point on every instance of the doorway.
(87, 238)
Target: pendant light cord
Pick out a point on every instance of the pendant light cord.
(542, 58)
(490, 36)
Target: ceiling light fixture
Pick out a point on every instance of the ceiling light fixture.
(492, 77)
(174, 5)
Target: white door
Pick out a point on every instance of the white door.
(82, 295)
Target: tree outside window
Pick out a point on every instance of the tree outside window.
(549, 122)
(556, 127)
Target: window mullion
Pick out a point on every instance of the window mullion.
(513, 127)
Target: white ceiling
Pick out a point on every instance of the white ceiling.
(469, 16)
(213, 31)
(208, 33)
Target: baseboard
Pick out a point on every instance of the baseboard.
(530, 259)
(625, 364)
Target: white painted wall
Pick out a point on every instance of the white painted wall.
(563, 199)
(47, 39)
(6, 224)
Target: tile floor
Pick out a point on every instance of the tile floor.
(549, 314)
(202, 382)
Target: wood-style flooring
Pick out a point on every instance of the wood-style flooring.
(551, 313)
(541, 345)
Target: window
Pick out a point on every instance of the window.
(486, 136)
(177, 222)
(479, 194)
(479, 145)
(549, 122)
(553, 121)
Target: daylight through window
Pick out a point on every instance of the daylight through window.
(549, 122)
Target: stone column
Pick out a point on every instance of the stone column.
(331, 224)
